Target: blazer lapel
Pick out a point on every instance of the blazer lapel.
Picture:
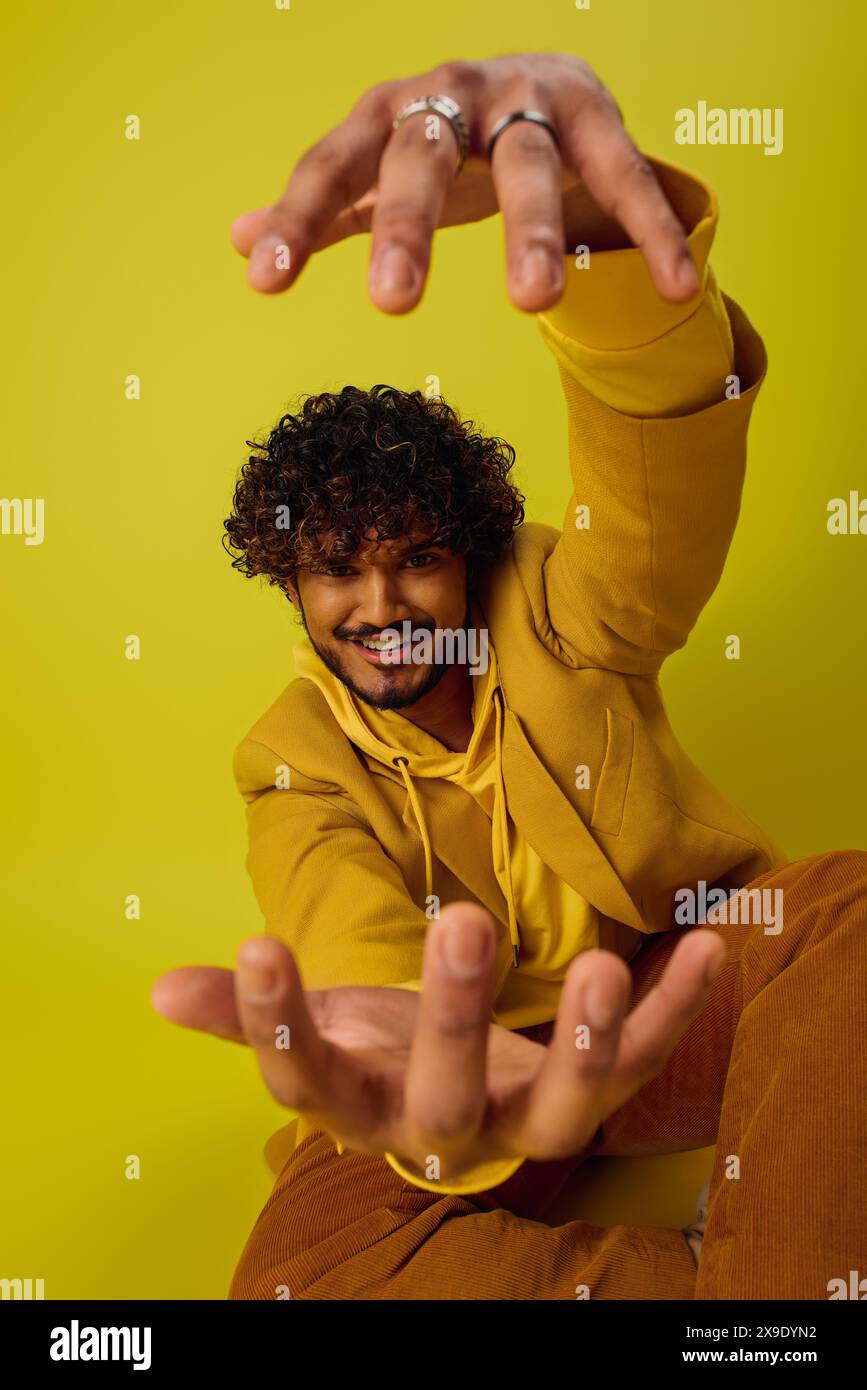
(555, 829)
(460, 832)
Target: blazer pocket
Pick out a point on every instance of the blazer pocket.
(610, 798)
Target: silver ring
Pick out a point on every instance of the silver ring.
(449, 109)
(525, 115)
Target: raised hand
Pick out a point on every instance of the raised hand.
(392, 1071)
(399, 185)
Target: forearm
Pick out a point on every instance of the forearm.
(658, 398)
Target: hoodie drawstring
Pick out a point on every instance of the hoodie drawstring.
(499, 810)
(504, 826)
(403, 764)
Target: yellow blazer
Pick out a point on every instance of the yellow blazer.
(659, 398)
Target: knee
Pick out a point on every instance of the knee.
(834, 871)
(828, 889)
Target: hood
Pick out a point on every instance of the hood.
(389, 738)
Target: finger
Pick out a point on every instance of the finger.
(351, 221)
(295, 1061)
(334, 1090)
(652, 1029)
(201, 997)
(624, 185)
(328, 178)
(566, 1102)
(246, 228)
(445, 1093)
(414, 174)
(528, 176)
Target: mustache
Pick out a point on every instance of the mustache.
(360, 635)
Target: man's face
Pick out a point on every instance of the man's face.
(383, 586)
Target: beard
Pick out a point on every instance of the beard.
(390, 696)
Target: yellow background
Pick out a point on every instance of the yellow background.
(117, 773)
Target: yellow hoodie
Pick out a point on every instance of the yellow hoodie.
(549, 923)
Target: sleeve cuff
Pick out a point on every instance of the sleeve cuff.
(614, 304)
(478, 1179)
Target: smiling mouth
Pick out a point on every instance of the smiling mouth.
(381, 651)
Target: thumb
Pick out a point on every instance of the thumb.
(201, 997)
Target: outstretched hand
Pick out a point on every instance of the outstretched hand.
(391, 1071)
(399, 185)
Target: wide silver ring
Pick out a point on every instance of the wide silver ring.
(447, 108)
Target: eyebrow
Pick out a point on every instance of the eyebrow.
(422, 545)
(401, 555)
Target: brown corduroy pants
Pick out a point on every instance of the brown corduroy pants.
(773, 1071)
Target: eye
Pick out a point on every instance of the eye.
(424, 559)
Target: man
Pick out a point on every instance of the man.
(469, 818)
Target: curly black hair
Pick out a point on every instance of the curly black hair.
(356, 465)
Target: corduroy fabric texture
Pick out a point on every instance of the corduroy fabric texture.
(774, 1071)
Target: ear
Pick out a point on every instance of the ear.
(290, 590)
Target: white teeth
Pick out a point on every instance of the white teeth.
(379, 644)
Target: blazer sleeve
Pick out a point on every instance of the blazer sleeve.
(658, 399)
(324, 884)
(327, 888)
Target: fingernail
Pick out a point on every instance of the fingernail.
(602, 1004)
(258, 982)
(538, 269)
(394, 270)
(464, 949)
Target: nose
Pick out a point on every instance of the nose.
(381, 603)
